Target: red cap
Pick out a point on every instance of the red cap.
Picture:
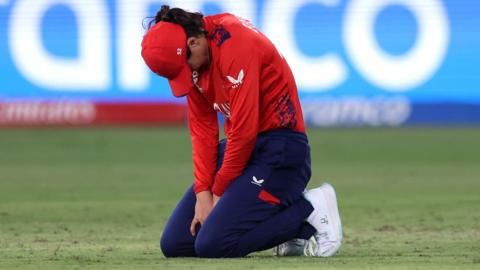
(164, 49)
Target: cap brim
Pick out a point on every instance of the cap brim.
(182, 84)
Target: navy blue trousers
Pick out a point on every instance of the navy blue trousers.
(262, 208)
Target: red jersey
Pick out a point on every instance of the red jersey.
(251, 84)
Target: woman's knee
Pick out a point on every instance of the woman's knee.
(208, 247)
(172, 245)
(168, 246)
(213, 245)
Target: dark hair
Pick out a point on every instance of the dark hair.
(192, 22)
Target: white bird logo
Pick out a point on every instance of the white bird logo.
(238, 81)
(257, 182)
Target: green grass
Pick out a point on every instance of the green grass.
(99, 198)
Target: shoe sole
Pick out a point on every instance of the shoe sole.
(332, 206)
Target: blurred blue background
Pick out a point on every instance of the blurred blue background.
(372, 63)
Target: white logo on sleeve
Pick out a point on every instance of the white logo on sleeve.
(238, 81)
(257, 182)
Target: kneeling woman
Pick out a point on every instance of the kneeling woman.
(248, 193)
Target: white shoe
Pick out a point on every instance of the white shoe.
(326, 220)
(294, 247)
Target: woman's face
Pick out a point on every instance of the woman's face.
(199, 54)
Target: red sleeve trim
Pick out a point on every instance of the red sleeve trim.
(219, 186)
(197, 188)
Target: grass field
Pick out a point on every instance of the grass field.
(99, 198)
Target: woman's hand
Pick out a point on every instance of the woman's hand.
(203, 207)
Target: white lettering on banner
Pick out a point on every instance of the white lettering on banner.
(33, 113)
(132, 72)
(312, 74)
(396, 73)
(91, 71)
(356, 111)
